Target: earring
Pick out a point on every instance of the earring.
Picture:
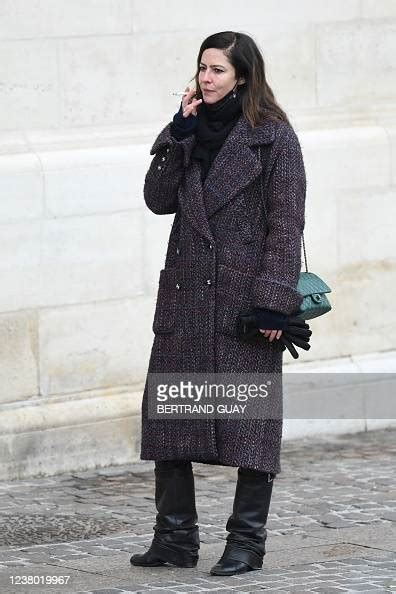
(234, 93)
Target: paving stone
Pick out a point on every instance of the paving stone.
(330, 529)
(329, 589)
(108, 591)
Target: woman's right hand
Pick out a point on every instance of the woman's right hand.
(271, 334)
(190, 105)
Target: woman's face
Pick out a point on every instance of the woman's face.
(216, 75)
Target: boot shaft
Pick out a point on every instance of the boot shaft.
(247, 523)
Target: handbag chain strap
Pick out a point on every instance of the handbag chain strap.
(265, 211)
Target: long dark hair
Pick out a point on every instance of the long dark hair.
(241, 50)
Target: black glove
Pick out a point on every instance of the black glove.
(297, 333)
(182, 127)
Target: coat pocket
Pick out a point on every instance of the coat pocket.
(165, 310)
(233, 296)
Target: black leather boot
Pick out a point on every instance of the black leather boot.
(245, 546)
(176, 534)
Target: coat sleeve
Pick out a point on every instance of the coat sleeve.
(164, 174)
(275, 288)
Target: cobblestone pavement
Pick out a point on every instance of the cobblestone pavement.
(331, 526)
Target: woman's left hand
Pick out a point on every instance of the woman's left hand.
(271, 334)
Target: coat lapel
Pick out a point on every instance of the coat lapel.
(236, 165)
(192, 202)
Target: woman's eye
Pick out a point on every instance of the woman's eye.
(215, 69)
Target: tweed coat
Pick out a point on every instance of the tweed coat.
(223, 256)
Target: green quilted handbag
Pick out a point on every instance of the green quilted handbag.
(313, 289)
(310, 285)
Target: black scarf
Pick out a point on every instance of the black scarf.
(215, 122)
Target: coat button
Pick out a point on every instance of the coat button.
(177, 286)
(167, 150)
(163, 159)
(159, 167)
(211, 246)
(208, 282)
(177, 250)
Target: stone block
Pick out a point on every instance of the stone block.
(70, 260)
(372, 9)
(94, 180)
(90, 258)
(21, 188)
(347, 56)
(371, 212)
(292, 81)
(391, 131)
(98, 81)
(29, 80)
(20, 265)
(67, 435)
(174, 17)
(347, 159)
(358, 327)
(18, 356)
(48, 18)
(94, 345)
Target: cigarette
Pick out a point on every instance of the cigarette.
(179, 93)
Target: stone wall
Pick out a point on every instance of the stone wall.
(85, 87)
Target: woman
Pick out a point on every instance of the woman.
(229, 147)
